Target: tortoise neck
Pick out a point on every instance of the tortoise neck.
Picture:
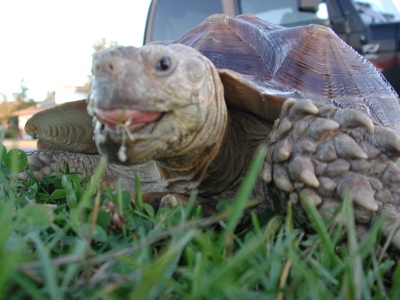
(222, 164)
(244, 134)
(185, 172)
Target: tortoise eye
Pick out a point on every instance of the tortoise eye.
(163, 64)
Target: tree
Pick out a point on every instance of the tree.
(21, 101)
(4, 96)
(6, 109)
(103, 44)
(21, 97)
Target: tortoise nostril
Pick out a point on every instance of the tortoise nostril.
(111, 65)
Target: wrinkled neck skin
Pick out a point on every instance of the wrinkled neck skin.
(243, 135)
(219, 167)
(184, 173)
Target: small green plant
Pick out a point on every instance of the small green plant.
(60, 239)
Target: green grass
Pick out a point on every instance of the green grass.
(56, 243)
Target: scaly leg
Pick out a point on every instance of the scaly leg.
(325, 154)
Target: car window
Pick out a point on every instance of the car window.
(375, 11)
(172, 18)
(282, 12)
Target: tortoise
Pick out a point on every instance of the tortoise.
(189, 115)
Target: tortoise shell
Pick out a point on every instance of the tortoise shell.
(260, 65)
(301, 62)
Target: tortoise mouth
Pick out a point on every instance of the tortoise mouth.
(116, 119)
(128, 136)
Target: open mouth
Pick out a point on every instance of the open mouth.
(132, 119)
(121, 130)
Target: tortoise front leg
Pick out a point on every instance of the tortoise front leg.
(46, 163)
(326, 154)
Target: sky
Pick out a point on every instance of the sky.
(49, 43)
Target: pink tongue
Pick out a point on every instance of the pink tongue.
(113, 116)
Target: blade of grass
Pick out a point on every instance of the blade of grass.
(93, 221)
(190, 204)
(120, 206)
(354, 275)
(288, 263)
(320, 228)
(9, 189)
(138, 189)
(83, 202)
(230, 265)
(389, 239)
(199, 271)
(28, 286)
(395, 290)
(7, 258)
(47, 268)
(115, 253)
(73, 268)
(246, 189)
(8, 262)
(161, 265)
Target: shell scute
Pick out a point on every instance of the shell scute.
(305, 62)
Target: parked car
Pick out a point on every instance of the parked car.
(372, 27)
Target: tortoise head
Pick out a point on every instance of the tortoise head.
(152, 102)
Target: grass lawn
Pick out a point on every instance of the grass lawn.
(57, 242)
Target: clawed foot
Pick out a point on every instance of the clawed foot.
(326, 154)
(169, 199)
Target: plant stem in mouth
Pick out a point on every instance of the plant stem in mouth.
(121, 118)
